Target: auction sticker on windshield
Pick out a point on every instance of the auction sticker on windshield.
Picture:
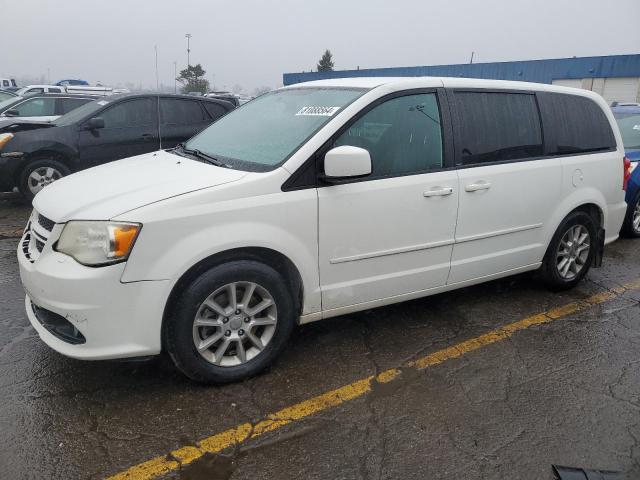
(318, 111)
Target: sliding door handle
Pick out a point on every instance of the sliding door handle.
(438, 192)
(474, 187)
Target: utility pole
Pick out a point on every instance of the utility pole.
(175, 76)
(157, 81)
(471, 61)
(188, 36)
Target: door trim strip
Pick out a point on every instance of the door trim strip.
(498, 233)
(393, 251)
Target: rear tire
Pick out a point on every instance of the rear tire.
(570, 253)
(215, 336)
(631, 225)
(38, 174)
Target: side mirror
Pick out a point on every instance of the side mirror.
(95, 123)
(11, 113)
(346, 163)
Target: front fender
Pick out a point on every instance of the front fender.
(285, 222)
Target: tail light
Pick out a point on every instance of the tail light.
(627, 173)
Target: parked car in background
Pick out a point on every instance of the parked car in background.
(67, 82)
(8, 84)
(91, 90)
(5, 95)
(319, 200)
(43, 107)
(628, 118)
(226, 96)
(39, 89)
(32, 155)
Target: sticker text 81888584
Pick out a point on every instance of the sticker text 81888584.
(318, 111)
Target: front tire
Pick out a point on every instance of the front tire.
(230, 323)
(37, 175)
(571, 252)
(631, 225)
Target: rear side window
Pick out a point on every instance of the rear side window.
(496, 127)
(65, 105)
(132, 113)
(215, 110)
(36, 107)
(174, 111)
(578, 125)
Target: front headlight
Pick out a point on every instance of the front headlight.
(98, 243)
(4, 138)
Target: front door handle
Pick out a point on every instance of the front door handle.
(474, 187)
(438, 192)
(147, 136)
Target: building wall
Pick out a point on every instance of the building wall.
(594, 70)
(623, 89)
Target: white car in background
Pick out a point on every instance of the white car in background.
(8, 83)
(42, 107)
(318, 200)
(70, 89)
(30, 89)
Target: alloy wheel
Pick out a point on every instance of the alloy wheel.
(234, 324)
(635, 217)
(41, 177)
(573, 252)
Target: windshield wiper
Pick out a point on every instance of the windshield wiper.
(199, 155)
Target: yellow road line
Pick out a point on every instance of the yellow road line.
(161, 465)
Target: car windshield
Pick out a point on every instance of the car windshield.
(5, 103)
(265, 132)
(79, 113)
(629, 124)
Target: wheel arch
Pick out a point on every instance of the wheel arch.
(46, 154)
(590, 207)
(588, 200)
(276, 260)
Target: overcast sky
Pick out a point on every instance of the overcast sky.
(252, 42)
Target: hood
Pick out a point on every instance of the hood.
(103, 192)
(17, 125)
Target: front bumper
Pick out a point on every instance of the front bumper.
(117, 320)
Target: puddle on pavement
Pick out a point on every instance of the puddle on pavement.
(209, 467)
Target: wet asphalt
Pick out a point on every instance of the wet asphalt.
(567, 392)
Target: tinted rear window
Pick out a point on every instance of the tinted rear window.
(495, 127)
(175, 111)
(578, 125)
(215, 110)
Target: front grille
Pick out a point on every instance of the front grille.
(36, 235)
(58, 326)
(45, 223)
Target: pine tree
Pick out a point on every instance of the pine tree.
(326, 62)
(192, 79)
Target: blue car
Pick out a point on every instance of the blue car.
(628, 118)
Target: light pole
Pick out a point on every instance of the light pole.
(188, 36)
(157, 79)
(175, 76)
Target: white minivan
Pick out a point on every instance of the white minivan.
(318, 200)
